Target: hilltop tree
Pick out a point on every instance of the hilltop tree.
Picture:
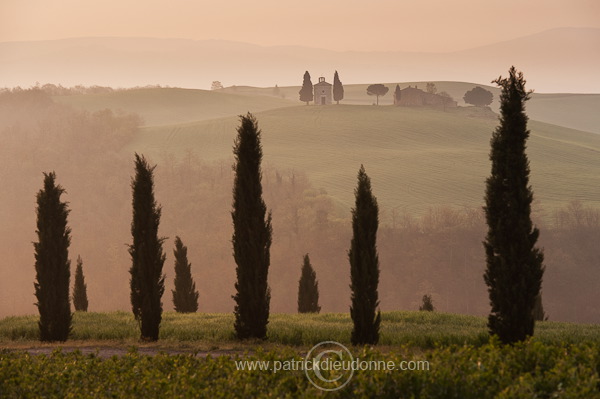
(377, 90)
(514, 264)
(306, 92)
(364, 264)
(185, 296)
(52, 265)
(478, 97)
(80, 300)
(431, 89)
(427, 305)
(338, 89)
(397, 95)
(252, 233)
(308, 289)
(147, 257)
(216, 85)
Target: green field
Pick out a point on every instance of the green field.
(457, 358)
(417, 157)
(421, 330)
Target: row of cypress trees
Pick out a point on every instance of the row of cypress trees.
(514, 263)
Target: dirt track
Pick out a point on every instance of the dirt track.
(108, 352)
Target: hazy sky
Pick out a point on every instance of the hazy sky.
(406, 25)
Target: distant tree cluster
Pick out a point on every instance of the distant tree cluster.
(479, 97)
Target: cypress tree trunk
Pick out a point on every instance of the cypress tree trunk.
(147, 281)
(252, 233)
(364, 264)
(308, 289)
(80, 300)
(514, 265)
(185, 296)
(52, 265)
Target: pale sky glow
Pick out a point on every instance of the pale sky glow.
(378, 25)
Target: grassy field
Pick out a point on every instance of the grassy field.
(417, 157)
(419, 330)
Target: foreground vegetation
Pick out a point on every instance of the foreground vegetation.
(419, 330)
(531, 369)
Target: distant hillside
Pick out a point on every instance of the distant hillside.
(417, 157)
(160, 106)
(170, 106)
(559, 60)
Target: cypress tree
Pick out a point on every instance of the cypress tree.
(514, 264)
(364, 264)
(52, 265)
(252, 234)
(397, 95)
(308, 289)
(306, 92)
(80, 300)
(338, 89)
(427, 305)
(147, 257)
(185, 296)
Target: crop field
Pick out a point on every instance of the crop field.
(197, 356)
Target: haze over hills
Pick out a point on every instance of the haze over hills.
(559, 60)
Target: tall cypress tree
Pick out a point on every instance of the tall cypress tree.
(147, 257)
(306, 92)
(514, 264)
(364, 264)
(338, 88)
(80, 299)
(52, 265)
(185, 296)
(308, 289)
(252, 234)
(397, 95)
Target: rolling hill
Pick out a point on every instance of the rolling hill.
(417, 157)
(164, 106)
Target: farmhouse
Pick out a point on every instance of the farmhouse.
(413, 96)
(322, 92)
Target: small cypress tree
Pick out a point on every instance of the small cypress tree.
(308, 289)
(397, 95)
(338, 88)
(427, 305)
(80, 300)
(52, 265)
(252, 234)
(185, 296)
(147, 257)
(306, 92)
(364, 264)
(514, 264)
(538, 309)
